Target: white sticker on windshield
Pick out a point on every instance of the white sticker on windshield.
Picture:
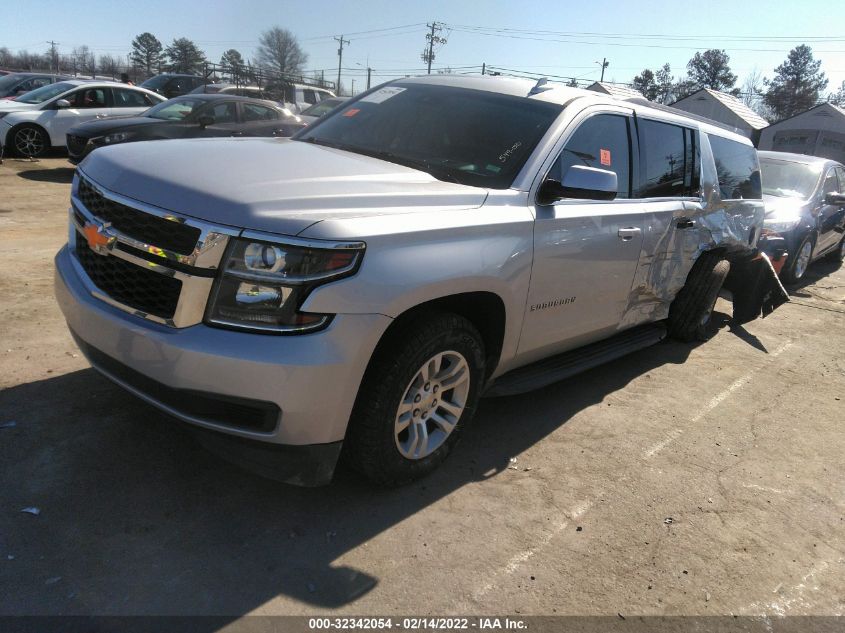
(382, 94)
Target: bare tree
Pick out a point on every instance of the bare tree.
(278, 50)
(6, 57)
(109, 65)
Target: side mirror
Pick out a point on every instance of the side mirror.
(205, 120)
(834, 198)
(582, 183)
(62, 103)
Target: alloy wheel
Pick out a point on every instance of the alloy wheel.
(803, 259)
(29, 142)
(432, 405)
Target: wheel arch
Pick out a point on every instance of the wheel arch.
(484, 309)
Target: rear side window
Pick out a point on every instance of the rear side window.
(841, 173)
(124, 98)
(669, 165)
(602, 142)
(309, 96)
(737, 169)
(255, 112)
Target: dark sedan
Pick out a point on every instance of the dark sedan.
(190, 116)
(805, 205)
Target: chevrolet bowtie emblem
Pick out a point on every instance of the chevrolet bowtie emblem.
(98, 241)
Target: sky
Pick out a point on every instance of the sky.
(562, 38)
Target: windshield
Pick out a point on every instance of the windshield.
(319, 109)
(174, 109)
(10, 80)
(472, 137)
(40, 95)
(153, 83)
(788, 180)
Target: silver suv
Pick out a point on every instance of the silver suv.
(359, 287)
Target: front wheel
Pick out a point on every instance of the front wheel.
(795, 269)
(418, 395)
(30, 141)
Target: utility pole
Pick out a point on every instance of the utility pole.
(340, 41)
(369, 74)
(484, 68)
(433, 38)
(353, 87)
(54, 58)
(604, 64)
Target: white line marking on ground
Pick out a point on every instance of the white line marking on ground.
(714, 402)
(763, 488)
(791, 597)
(516, 561)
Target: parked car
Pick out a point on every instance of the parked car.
(40, 119)
(358, 287)
(246, 91)
(296, 97)
(314, 112)
(805, 204)
(191, 116)
(174, 85)
(15, 84)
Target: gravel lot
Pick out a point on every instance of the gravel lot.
(682, 479)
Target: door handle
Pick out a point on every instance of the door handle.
(628, 233)
(685, 223)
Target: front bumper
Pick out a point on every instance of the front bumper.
(312, 379)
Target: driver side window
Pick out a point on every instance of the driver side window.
(88, 98)
(603, 142)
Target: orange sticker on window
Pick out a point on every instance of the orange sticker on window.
(604, 155)
(352, 112)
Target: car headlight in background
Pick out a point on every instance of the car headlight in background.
(111, 139)
(780, 226)
(263, 284)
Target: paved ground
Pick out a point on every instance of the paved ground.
(680, 480)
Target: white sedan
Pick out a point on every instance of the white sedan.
(40, 119)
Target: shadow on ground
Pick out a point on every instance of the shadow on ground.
(60, 175)
(136, 518)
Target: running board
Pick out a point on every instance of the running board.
(551, 370)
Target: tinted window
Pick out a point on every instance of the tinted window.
(841, 173)
(254, 112)
(602, 142)
(737, 169)
(667, 168)
(223, 112)
(309, 96)
(468, 136)
(129, 98)
(88, 98)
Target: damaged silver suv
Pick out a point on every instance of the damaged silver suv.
(356, 289)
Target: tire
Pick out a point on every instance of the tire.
(395, 391)
(691, 313)
(794, 271)
(29, 141)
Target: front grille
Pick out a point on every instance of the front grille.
(76, 144)
(131, 285)
(145, 227)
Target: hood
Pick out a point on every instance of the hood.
(780, 209)
(269, 184)
(111, 124)
(7, 105)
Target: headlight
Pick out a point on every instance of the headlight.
(778, 226)
(263, 284)
(110, 139)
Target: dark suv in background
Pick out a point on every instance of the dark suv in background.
(172, 85)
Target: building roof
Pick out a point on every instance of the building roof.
(836, 109)
(754, 120)
(614, 90)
